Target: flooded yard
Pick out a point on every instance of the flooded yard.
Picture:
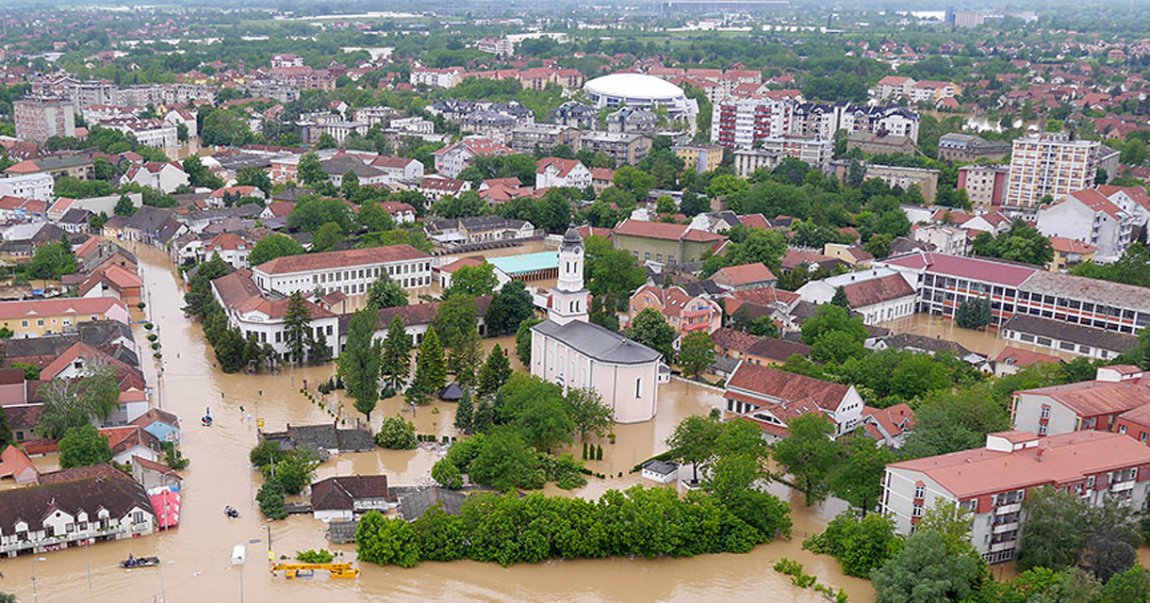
(988, 342)
(196, 556)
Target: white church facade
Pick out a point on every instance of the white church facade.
(569, 350)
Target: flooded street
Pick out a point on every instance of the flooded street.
(988, 343)
(196, 556)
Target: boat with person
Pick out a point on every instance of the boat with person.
(133, 562)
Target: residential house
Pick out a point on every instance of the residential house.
(163, 425)
(879, 294)
(345, 498)
(454, 158)
(163, 176)
(115, 281)
(554, 172)
(684, 312)
(772, 398)
(232, 248)
(40, 317)
(131, 441)
(73, 507)
(1013, 359)
(1069, 253)
(324, 439)
(1086, 405)
(435, 188)
(1089, 217)
(755, 275)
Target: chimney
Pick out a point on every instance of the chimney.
(1038, 453)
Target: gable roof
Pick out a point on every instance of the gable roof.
(87, 489)
(745, 274)
(340, 493)
(599, 343)
(865, 293)
(787, 387)
(330, 260)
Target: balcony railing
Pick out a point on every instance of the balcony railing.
(1004, 509)
(1122, 486)
(1002, 546)
(1005, 527)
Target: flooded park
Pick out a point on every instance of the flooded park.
(196, 556)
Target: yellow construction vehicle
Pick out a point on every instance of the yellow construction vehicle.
(294, 570)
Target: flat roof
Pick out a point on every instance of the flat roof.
(528, 262)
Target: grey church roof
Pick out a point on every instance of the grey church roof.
(597, 342)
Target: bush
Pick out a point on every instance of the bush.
(396, 433)
(446, 474)
(310, 556)
(271, 499)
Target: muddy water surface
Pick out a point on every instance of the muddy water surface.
(196, 556)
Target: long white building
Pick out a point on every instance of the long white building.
(350, 272)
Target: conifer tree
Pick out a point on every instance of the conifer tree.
(494, 372)
(396, 366)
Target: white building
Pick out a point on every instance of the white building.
(74, 507)
(879, 294)
(1089, 217)
(163, 176)
(454, 158)
(568, 350)
(154, 133)
(950, 240)
(1053, 164)
(552, 172)
(772, 398)
(640, 91)
(186, 118)
(350, 272)
(255, 313)
(31, 186)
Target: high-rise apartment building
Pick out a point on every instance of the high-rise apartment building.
(40, 118)
(1053, 164)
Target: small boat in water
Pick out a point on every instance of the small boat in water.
(133, 562)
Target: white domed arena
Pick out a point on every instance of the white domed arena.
(641, 91)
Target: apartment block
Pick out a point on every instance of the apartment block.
(985, 185)
(993, 482)
(40, 118)
(1053, 165)
(532, 137)
(622, 147)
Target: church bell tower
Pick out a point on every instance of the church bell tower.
(568, 296)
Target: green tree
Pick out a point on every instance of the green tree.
(504, 461)
(295, 470)
(372, 218)
(271, 500)
(312, 212)
(349, 185)
(927, 571)
(310, 170)
(536, 410)
(395, 366)
(51, 261)
(974, 313)
(457, 324)
(494, 372)
(396, 433)
(1022, 243)
(199, 298)
(124, 207)
(651, 329)
(809, 455)
(327, 237)
(199, 174)
(83, 446)
(860, 545)
(840, 299)
(386, 293)
(359, 364)
(447, 474)
(474, 281)
(509, 307)
(5, 430)
(858, 478)
(430, 367)
(386, 541)
(588, 413)
(696, 353)
(693, 442)
(297, 327)
(523, 340)
(255, 176)
(465, 413)
(831, 318)
(274, 246)
(77, 402)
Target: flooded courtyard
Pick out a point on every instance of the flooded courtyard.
(196, 556)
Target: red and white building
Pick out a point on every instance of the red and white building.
(993, 482)
(772, 398)
(454, 158)
(682, 311)
(554, 172)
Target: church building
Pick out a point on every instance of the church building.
(569, 350)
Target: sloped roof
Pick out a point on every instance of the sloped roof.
(788, 387)
(330, 260)
(598, 342)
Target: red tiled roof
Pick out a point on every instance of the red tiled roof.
(562, 166)
(340, 259)
(745, 274)
(732, 339)
(60, 306)
(877, 290)
(650, 230)
(1022, 358)
(1065, 459)
(1094, 398)
(788, 387)
(1065, 245)
(241, 294)
(755, 221)
(970, 268)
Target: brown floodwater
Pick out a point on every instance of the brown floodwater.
(988, 342)
(196, 556)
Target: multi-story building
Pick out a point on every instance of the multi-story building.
(663, 243)
(31, 186)
(74, 507)
(454, 158)
(749, 161)
(1088, 405)
(350, 272)
(166, 177)
(1053, 165)
(815, 152)
(903, 177)
(624, 148)
(553, 172)
(148, 132)
(40, 317)
(703, 157)
(684, 312)
(992, 482)
(502, 47)
(1088, 216)
(40, 118)
(967, 147)
(261, 313)
(944, 282)
(533, 137)
(740, 123)
(437, 78)
(1068, 253)
(879, 294)
(772, 398)
(985, 185)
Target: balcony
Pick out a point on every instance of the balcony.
(1002, 546)
(1004, 527)
(1122, 486)
(1004, 509)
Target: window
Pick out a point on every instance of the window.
(917, 512)
(919, 491)
(1042, 429)
(639, 388)
(137, 517)
(40, 322)
(1045, 411)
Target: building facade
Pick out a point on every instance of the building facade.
(350, 272)
(1054, 165)
(985, 185)
(40, 118)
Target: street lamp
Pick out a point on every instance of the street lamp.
(36, 595)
